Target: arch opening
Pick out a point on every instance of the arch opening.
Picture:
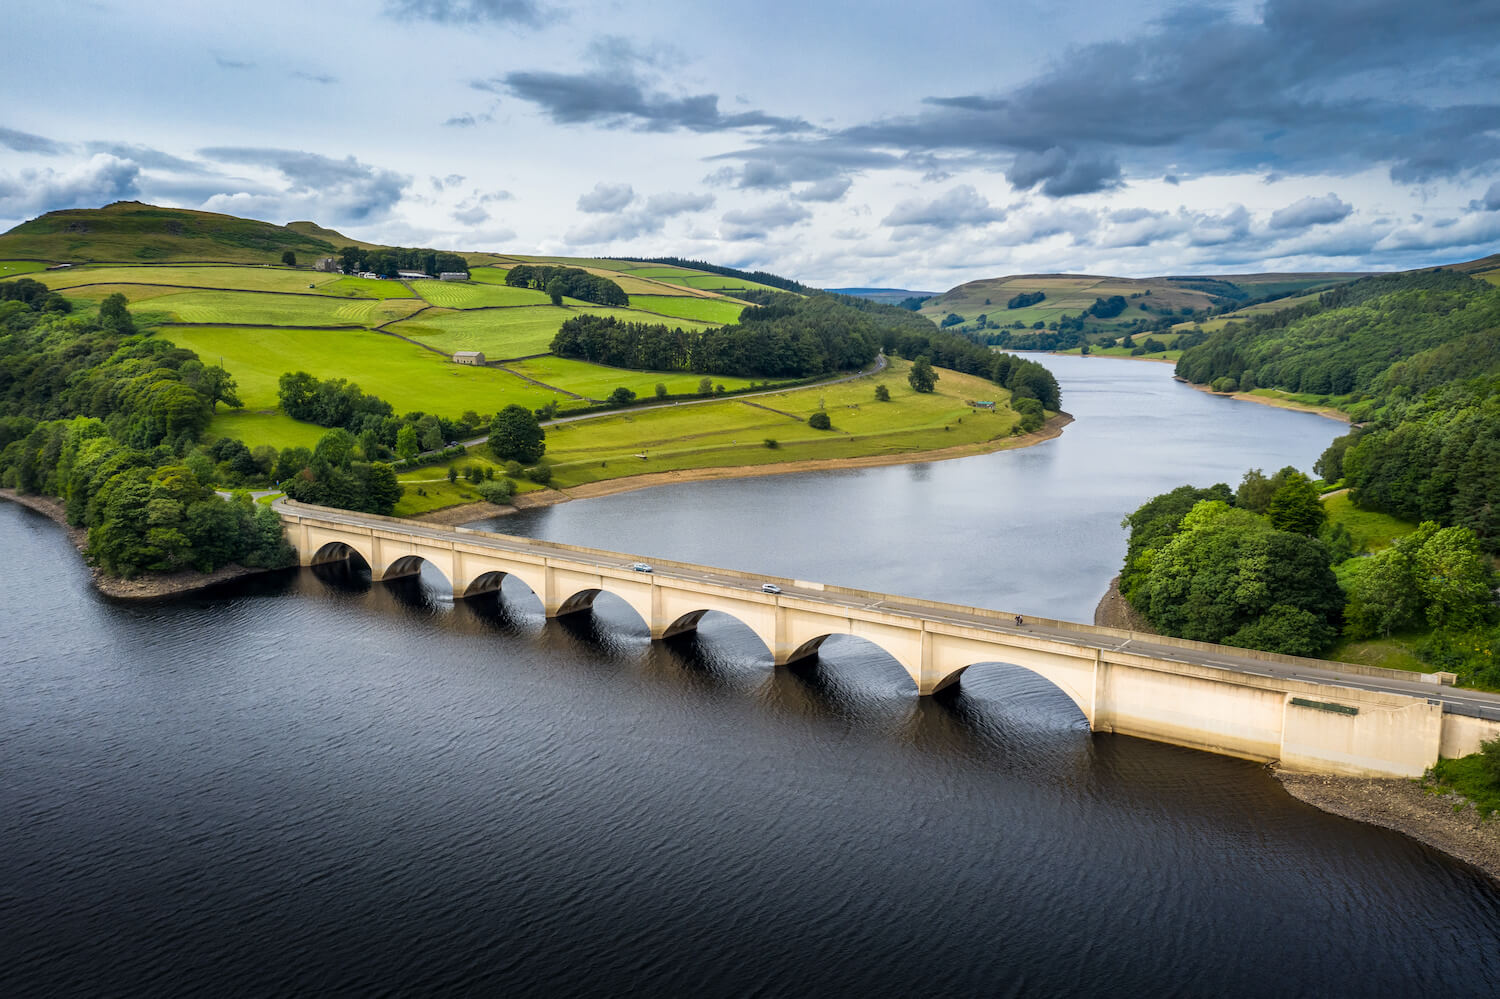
(720, 630)
(336, 551)
(1017, 684)
(579, 602)
(485, 582)
(845, 659)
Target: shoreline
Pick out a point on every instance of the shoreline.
(1328, 412)
(150, 587)
(1446, 822)
(1050, 430)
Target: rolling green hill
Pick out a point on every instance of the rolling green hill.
(131, 232)
(985, 306)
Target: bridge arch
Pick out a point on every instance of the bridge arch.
(1081, 700)
(341, 551)
(411, 565)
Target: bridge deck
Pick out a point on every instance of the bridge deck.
(1083, 636)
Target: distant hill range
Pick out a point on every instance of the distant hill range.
(889, 296)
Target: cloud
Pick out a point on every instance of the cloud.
(227, 63)
(959, 206)
(1062, 173)
(831, 189)
(606, 198)
(1310, 212)
(25, 142)
(617, 224)
(669, 204)
(346, 189)
(526, 13)
(614, 99)
(322, 78)
(1217, 230)
(98, 181)
(471, 215)
(757, 223)
(1305, 88)
(150, 159)
(1490, 202)
(467, 120)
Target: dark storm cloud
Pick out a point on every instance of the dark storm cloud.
(612, 100)
(462, 12)
(1311, 87)
(25, 142)
(1310, 212)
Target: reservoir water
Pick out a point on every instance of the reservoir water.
(311, 784)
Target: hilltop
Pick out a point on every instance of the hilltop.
(132, 232)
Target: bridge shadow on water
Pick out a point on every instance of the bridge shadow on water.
(995, 711)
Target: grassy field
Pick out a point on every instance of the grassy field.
(452, 295)
(488, 275)
(437, 492)
(1396, 652)
(187, 276)
(361, 287)
(597, 382)
(709, 310)
(406, 376)
(12, 268)
(264, 426)
(133, 292)
(1371, 531)
(279, 310)
(1127, 352)
(503, 333)
(732, 433)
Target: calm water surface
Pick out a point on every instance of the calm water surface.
(311, 784)
(1035, 530)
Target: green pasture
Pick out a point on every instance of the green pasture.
(661, 273)
(11, 268)
(1370, 530)
(133, 292)
(403, 374)
(1395, 652)
(433, 481)
(503, 333)
(733, 432)
(597, 382)
(1126, 352)
(1493, 277)
(194, 276)
(709, 310)
(362, 287)
(264, 309)
(719, 282)
(488, 275)
(264, 426)
(453, 295)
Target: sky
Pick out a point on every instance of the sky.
(839, 143)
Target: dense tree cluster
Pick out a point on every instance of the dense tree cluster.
(792, 338)
(567, 282)
(107, 421)
(1351, 341)
(1435, 458)
(34, 294)
(1108, 308)
(1026, 298)
(337, 402)
(386, 262)
(333, 474)
(1262, 568)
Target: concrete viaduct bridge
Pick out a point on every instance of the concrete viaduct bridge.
(1308, 714)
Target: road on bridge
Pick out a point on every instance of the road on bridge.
(1463, 702)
